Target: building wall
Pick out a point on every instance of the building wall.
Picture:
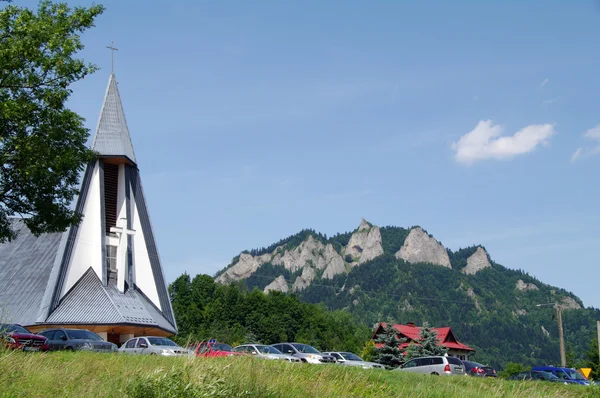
(87, 250)
(142, 270)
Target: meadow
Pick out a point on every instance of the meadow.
(80, 374)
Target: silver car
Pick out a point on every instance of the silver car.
(304, 352)
(264, 352)
(440, 365)
(151, 345)
(350, 359)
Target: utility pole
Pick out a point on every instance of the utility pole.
(598, 341)
(561, 337)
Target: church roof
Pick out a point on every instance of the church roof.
(25, 267)
(112, 135)
(90, 302)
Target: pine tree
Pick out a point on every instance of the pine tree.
(389, 354)
(427, 344)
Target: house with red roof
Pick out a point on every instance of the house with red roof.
(412, 333)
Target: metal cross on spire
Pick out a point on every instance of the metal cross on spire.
(112, 55)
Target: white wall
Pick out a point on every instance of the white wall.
(87, 250)
(142, 270)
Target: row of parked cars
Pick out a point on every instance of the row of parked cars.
(17, 337)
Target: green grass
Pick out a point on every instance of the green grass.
(113, 375)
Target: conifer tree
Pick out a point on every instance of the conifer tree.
(389, 354)
(426, 345)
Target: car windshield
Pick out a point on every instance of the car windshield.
(306, 349)
(473, 364)
(265, 349)
(545, 375)
(573, 374)
(348, 356)
(6, 328)
(221, 347)
(161, 341)
(82, 335)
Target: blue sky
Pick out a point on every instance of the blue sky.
(253, 120)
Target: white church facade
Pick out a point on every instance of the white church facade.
(105, 274)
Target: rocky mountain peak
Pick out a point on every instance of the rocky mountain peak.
(278, 285)
(477, 261)
(419, 247)
(364, 244)
(524, 286)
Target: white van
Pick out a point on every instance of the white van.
(439, 366)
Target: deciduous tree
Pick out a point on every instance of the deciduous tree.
(42, 142)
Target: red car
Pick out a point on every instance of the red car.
(18, 338)
(212, 349)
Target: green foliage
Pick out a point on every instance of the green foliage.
(592, 359)
(513, 368)
(389, 354)
(42, 143)
(427, 344)
(178, 383)
(205, 309)
(393, 238)
(369, 351)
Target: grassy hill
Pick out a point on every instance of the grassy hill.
(98, 375)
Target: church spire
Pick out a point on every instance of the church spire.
(112, 135)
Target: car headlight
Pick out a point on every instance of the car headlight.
(166, 352)
(86, 346)
(10, 340)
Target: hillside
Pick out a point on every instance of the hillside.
(392, 273)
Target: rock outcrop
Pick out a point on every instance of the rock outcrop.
(364, 244)
(472, 295)
(570, 303)
(546, 332)
(246, 266)
(476, 262)
(304, 280)
(335, 263)
(421, 248)
(279, 285)
(524, 286)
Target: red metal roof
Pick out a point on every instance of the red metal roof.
(413, 332)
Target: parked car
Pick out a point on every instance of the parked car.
(16, 337)
(439, 365)
(304, 352)
(151, 345)
(264, 352)
(534, 375)
(567, 375)
(479, 370)
(76, 339)
(350, 359)
(212, 349)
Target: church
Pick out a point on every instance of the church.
(104, 274)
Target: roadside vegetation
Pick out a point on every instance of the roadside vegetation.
(62, 374)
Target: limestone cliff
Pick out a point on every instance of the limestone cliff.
(523, 286)
(304, 280)
(477, 261)
(421, 248)
(364, 244)
(279, 285)
(245, 266)
(335, 263)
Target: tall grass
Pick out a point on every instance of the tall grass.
(66, 374)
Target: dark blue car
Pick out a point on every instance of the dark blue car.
(565, 375)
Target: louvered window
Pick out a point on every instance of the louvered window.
(111, 183)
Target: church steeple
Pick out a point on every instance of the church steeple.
(112, 135)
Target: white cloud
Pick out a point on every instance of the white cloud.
(593, 133)
(486, 142)
(544, 82)
(550, 101)
(576, 154)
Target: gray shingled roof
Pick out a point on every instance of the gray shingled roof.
(88, 302)
(25, 266)
(112, 135)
